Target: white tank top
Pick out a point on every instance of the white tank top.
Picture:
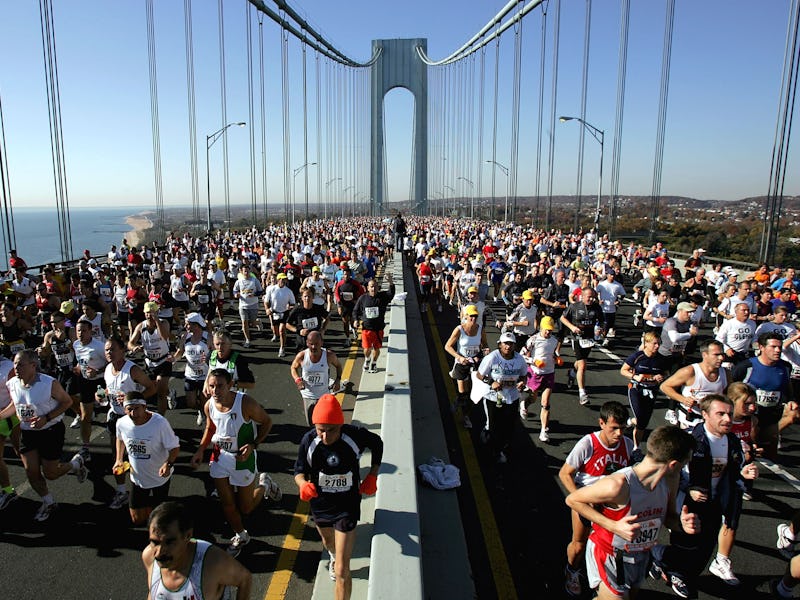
(121, 298)
(193, 585)
(469, 345)
(118, 384)
(196, 357)
(315, 376)
(319, 290)
(701, 388)
(228, 424)
(34, 401)
(155, 347)
(97, 327)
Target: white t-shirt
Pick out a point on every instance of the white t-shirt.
(148, 447)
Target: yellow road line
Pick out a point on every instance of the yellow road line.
(279, 582)
(498, 562)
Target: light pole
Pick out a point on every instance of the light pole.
(441, 196)
(327, 184)
(472, 196)
(504, 169)
(599, 135)
(447, 187)
(210, 140)
(349, 187)
(294, 188)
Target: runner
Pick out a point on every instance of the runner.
(582, 318)
(594, 456)
(235, 363)
(91, 363)
(370, 313)
(306, 317)
(180, 566)
(9, 429)
(194, 347)
(151, 336)
(277, 304)
(346, 293)
(540, 354)
(310, 371)
(235, 426)
(152, 448)
(627, 509)
(645, 371)
(327, 475)
(467, 345)
(39, 402)
(247, 289)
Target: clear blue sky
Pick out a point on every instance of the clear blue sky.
(726, 67)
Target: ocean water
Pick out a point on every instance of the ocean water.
(95, 229)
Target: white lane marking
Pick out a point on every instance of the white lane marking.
(781, 472)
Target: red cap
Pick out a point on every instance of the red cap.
(327, 411)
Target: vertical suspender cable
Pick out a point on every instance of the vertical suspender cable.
(658, 163)
(494, 126)
(512, 168)
(621, 76)
(305, 127)
(318, 129)
(287, 182)
(470, 85)
(190, 99)
(224, 109)
(540, 119)
(481, 93)
(248, 22)
(156, 134)
(581, 140)
(263, 115)
(780, 149)
(7, 220)
(551, 158)
(56, 133)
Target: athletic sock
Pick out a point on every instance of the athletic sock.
(48, 499)
(121, 488)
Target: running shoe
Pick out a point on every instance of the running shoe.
(172, 401)
(656, 571)
(246, 343)
(373, 368)
(571, 374)
(79, 467)
(612, 333)
(85, 454)
(45, 512)
(679, 586)
(271, 489)
(7, 498)
(366, 367)
(332, 568)
(721, 567)
(544, 436)
(281, 352)
(502, 458)
(238, 541)
(274, 338)
(671, 417)
(467, 422)
(583, 398)
(786, 542)
(201, 418)
(120, 499)
(76, 423)
(523, 411)
(747, 496)
(572, 582)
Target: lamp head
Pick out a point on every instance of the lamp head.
(565, 119)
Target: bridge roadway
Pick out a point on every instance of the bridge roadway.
(503, 534)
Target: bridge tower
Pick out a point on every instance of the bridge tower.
(399, 65)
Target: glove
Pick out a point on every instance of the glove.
(369, 486)
(308, 491)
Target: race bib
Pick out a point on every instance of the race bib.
(334, 484)
(645, 538)
(225, 443)
(585, 342)
(470, 351)
(64, 360)
(372, 312)
(347, 296)
(26, 412)
(277, 315)
(138, 449)
(152, 354)
(314, 379)
(203, 298)
(425, 279)
(311, 323)
(767, 399)
(678, 348)
(16, 346)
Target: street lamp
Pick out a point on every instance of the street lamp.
(327, 184)
(599, 135)
(472, 196)
(210, 140)
(349, 187)
(294, 188)
(504, 169)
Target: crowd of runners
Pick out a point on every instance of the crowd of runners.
(718, 358)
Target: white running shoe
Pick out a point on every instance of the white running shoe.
(544, 436)
(583, 398)
(120, 499)
(45, 511)
(274, 338)
(246, 343)
(786, 542)
(271, 489)
(721, 567)
(523, 411)
(281, 352)
(172, 400)
(76, 423)
(671, 417)
(79, 467)
(238, 541)
(201, 418)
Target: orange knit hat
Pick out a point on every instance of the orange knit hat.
(328, 411)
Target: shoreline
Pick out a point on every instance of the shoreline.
(139, 224)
